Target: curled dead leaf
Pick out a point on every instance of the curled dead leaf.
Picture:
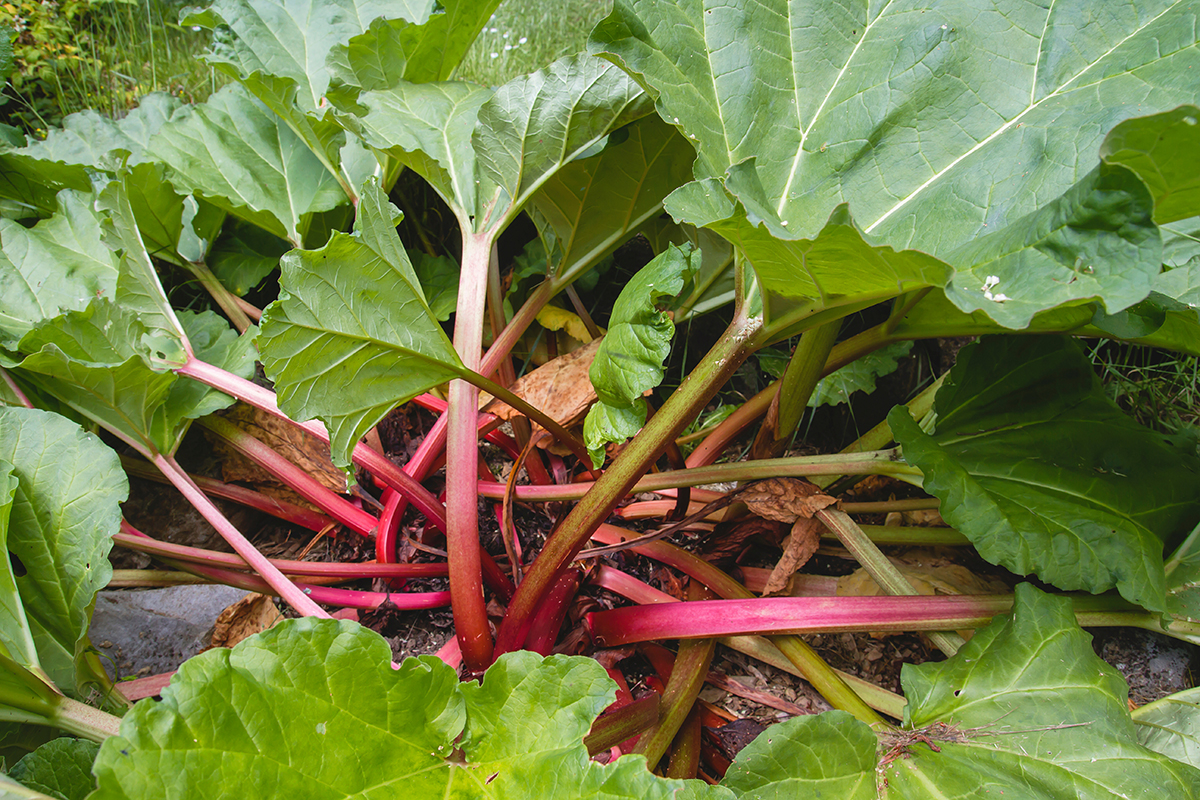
(253, 614)
(306, 452)
(785, 499)
(560, 387)
(798, 548)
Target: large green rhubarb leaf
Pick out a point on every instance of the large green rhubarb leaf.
(242, 158)
(291, 39)
(936, 124)
(65, 509)
(487, 153)
(353, 336)
(313, 708)
(1045, 475)
(1171, 726)
(1025, 709)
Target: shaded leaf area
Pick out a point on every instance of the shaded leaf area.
(1164, 151)
(61, 768)
(795, 109)
(1171, 726)
(630, 360)
(65, 507)
(244, 256)
(980, 724)
(1045, 475)
(858, 376)
(244, 159)
(353, 337)
(591, 205)
(313, 708)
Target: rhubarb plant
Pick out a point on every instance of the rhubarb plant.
(948, 169)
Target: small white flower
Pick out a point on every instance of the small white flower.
(495, 55)
(507, 47)
(523, 40)
(991, 283)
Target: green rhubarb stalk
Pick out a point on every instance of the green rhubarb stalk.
(881, 568)
(799, 380)
(683, 687)
(687, 401)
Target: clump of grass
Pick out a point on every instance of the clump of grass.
(526, 35)
(103, 56)
(1159, 389)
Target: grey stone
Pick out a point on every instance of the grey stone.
(147, 632)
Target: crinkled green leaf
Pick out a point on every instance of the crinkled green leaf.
(858, 376)
(244, 255)
(713, 283)
(606, 423)
(279, 51)
(936, 127)
(242, 158)
(313, 708)
(11, 790)
(533, 125)
(94, 362)
(1171, 726)
(61, 768)
(1045, 475)
(593, 204)
(427, 128)
(139, 290)
(353, 337)
(64, 512)
(60, 264)
(1096, 240)
(630, 359)
(1164, 151)
(1025, 709)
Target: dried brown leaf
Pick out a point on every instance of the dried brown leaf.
(253, 614)
(785, 499)
(728, 541)
(560, 387)
(306, 452)
(798, 548)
